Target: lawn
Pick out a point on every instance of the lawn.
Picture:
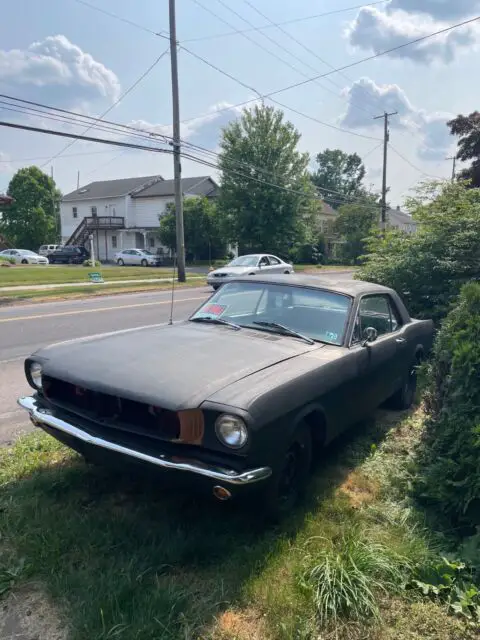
(93, 554)
(53, 274)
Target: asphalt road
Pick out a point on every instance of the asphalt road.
(23, 329)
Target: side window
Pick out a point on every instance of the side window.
(114, 242)
(273, 260)
(263, 261)
(93, 211)
(75, 212)
(377, 312)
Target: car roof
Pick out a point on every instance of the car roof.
(348, 287)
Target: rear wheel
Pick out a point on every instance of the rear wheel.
(286, 271)
(404, 398)
(24, 261)
(120, 262)
(288, 482)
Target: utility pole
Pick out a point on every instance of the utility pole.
(386, 138)
(177, 167)
(78, 180)
(454, 158)
(57, 232)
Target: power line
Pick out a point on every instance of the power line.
(123, 95)
(427, 175)
(120, 18)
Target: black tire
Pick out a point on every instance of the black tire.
(251, 274)
(215, 286)
(404, 398)
(286, 272)
(287, 485)
(120, 262)
(24, 261)
(144, 263)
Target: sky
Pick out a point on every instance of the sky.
(89, 56)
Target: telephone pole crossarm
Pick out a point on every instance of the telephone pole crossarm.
(386, 136)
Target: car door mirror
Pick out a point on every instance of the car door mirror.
(370, 334)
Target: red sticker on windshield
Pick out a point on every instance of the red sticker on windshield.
(214, 309)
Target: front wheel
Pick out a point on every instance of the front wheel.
(24, 261)
(288, 482)
(144, 263)
(286, 272)
(120, 262)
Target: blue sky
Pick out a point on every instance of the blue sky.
(66, 54)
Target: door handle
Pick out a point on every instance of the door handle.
(400, 341)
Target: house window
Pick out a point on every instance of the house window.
(75, 212)
(94, 211)
(151, 242)
(114, 242)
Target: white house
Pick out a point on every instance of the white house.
(398, 219)
(123, 214)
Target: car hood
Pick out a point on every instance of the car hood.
(236, 271)
(174, 367)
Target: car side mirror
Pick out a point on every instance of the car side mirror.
(370, 334)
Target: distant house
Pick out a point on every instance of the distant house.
(398, 219)
(124, 214)
(326, 220)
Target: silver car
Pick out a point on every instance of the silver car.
(248, 265)
(24, 256)
(139, 257)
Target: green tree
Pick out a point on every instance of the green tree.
(467, 128)
(266, 197)
(33, 218)
(203, 237)
(429, 268)
(338, 174)
(354, 224)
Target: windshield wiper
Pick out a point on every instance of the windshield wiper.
(286, 330)
(211, 320)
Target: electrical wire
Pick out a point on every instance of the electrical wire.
(427, 175)
(122, 96)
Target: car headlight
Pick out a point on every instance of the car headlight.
(36, 374)
(231, 431)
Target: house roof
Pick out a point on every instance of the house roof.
(198, 186)
(328, 210)
(110, 188)
(5, 199)
(399, 218)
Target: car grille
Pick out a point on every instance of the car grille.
(113, 411)
(220, 275)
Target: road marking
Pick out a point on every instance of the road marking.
(78, 311)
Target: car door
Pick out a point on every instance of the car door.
(276, 265)
(381, 361)
(263, 265)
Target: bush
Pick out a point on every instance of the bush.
(88, 263)
(429, 268)
(450, 451)
(5, 261)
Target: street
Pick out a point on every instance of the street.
(23, 329)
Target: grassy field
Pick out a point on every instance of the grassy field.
(92, 291)
(53, 274)
(92, 554)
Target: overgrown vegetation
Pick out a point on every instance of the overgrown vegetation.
(428, 268)
(131, 558)
(450, 456)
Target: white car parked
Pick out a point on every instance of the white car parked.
(140, 257)
(46, 249)
(24, 256)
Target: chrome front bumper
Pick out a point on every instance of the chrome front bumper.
(41, 416)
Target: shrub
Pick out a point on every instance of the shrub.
(348, 575)
(88, 263)
(429, 268)
(450, 451)
(4, 260)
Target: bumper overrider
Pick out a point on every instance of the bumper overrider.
(43, 417)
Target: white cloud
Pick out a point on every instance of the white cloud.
(433, 137)
(376, 30)
(58, 71)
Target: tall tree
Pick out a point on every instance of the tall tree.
(338, 174)
(203, 237)
(467, 128)
(33, 218)
(354, 223)
(266, 197)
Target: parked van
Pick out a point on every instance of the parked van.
(46, 249)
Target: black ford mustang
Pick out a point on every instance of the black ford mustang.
(239, 395)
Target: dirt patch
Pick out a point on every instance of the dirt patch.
(359, 488)
(27, 614)
(239, 625)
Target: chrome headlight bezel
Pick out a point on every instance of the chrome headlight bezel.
(231, 431)
(35, 371)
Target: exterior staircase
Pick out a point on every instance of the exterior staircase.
(94, 223)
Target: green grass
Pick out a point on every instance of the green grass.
(53, 274)
(131, 558)
(64, 293)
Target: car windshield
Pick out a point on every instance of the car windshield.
(244, 261)
(314, 313)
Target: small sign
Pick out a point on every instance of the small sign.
(96, 277)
